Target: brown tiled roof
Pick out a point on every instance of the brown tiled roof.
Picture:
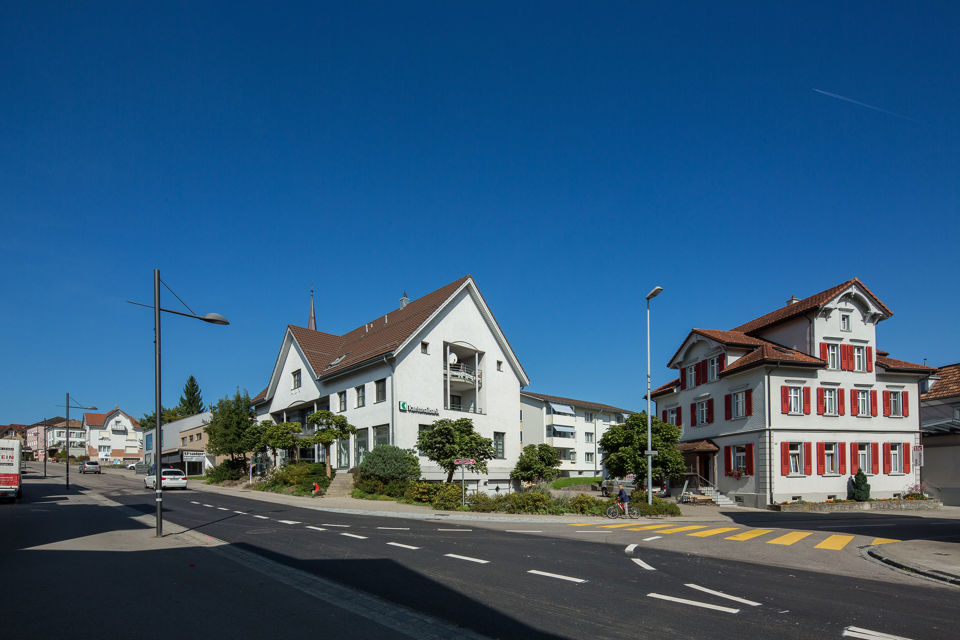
(948, 385)
(666, 388)
(729, 338)
(891, 364)
(579, 403)
(96, 419)
(697, 445)
(770, 353)
(798, 308)
(259, 397)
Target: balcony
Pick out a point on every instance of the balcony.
(461, 375)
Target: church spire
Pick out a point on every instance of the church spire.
(312, 320)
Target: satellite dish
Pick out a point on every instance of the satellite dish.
(452, 358)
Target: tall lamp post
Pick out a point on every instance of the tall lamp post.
(650, 452)
(212, 318)
(67, 458)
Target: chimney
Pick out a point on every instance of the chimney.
(404, 301)
(793, 300)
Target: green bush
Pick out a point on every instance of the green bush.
(585, 504)
(421, 492)
(658, 508)
(859, 487)
(229, 469)
(447, 497)
(535, 500)
(387, 470)
(297, 479)
(484, 503)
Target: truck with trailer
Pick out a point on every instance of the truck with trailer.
(11, 478)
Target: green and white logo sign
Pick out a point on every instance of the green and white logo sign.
(409, 408)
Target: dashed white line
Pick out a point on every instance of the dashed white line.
(557, 576)
(194, 502)
(243, 513)
(353, 535)
(867, 634)
(310, 526)
(223, 509)
(394, 528)
(262, 517)
(454, 529)
(643, 564)
(288, 521)
(327, 524)
(693, 603)
(467, 558)
(522, 531)
(721, 594)
(208, 505)
(652, 538)
(630, 548)
(402, 546)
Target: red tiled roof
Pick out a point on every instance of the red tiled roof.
(770, 353)
(579, 403)
(260, 396)
(662, 389)
(798, 308)
(96, 419)
(697, 445)
(948, 385)
(891, 364)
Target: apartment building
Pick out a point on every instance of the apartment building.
(113, 438)
(442, 355)
(791, 404)
(572, 427)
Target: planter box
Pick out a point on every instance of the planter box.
(876, 505)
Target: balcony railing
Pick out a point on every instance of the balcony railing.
(454, 406)
(460, 372)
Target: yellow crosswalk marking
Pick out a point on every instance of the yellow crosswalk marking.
(649, 526)
(789, 538)
(883, 540)
(678, 529)
(749, 535)
(712, 532)
(834, 543)
(617, 526)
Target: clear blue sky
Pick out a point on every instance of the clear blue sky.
(570, 156)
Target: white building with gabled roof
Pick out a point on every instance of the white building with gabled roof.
(440, 356)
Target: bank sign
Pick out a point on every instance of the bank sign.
(409, 408)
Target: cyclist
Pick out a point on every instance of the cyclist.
(623, 498)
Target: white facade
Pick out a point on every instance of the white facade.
(811, 401)
(112, 438)
(572, 427)
(453, 363)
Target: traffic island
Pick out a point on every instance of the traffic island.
(852, 505)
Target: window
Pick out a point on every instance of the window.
(691, 376)
(859, 358)
(422, 428)
(739, 404)
(588, 456)
(381, 435)
(296, 379)
(199, 437)
(863, 457)
(740, 457)
(559, 433)
(713, 369)
(796, 400)
(844, 322)
(381, 385)
(619, 418)
(703, 412)
(896, 404)
(830, 402)
(191, 438)
(499, 365)
(830, 458)
(104, 448)
(498, 438)
(796, 458)
(360, 445)
(833, 356)
(896, 458)
(863, 403)
(361, 395)
(456, 402)
(425, 347)
(183, 441)
(672, 416)
(342, 400)
(588, 416)
(588, 437)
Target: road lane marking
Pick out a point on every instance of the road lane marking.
(522, 531)
(327, 524)
(883, 541)
(194, 502)
(243, 513)
(310, 526)
(557, 576)
(223, 509)
(652, 538)
(679, 529)
(834, 542)
(403, 546)
(617, 526)
(712, 532)
(454, 529)
(641, 563)
(693, 603)
(262, 517)
(721, 594)
(288, 521)
(394, 528)
(353, 535)
(867, 634)
(592, 531)
(208, 505)
(749, 535)
(630, 548)
(650, 526)
(788, 539)
(467, 558)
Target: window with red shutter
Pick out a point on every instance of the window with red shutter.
(683, 378)
(693, 414)
(840, 402)
(875, 457)
(886, 458)
(873, 402)
(727, 406)
(904, 404)
(784, 399)
(663, 416)
(727, 460)
(823, 351)
(784, 458)
(710, 411)
(806, 401)
(721, 362)
(821, 458)
(679, 417)
(906, 457)
(854, 405)
(842, 451)
(854, 460)
(886, 403)
(807, 458)
(821, 401)
(749, 457)
(869, 359)
(748, 401)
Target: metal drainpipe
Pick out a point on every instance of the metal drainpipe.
(393, 401)
(769, 440)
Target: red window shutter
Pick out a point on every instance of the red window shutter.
(886, 403)
(683, 378)
(727, 406)
(784, 399)
(721, 362)
(821, 401)
(823, 351)
(843, 357)
(748, 402)
(784, 458)
(710, 411)
(873, 402)
(904, 404)
(842, 450)
(841, 409)
(869, 359)
(906, 457)
(854, 405)
(693, 414)
(807, 458)
(821, 458)
(663, 416)
(806, 401)
(679, 417)
(847, 356)
(749, 458)
(886, 458)
(727, 460)
(854, 460)
(875, 455)
(703, 372)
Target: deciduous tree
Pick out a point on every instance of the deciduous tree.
(227, 433)
(446, 440)
(537, 463)
(624, 445)
(330, 428)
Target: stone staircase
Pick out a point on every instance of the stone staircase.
(342, 485)
(718, 498)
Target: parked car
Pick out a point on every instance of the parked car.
(171, 479)
(132, 466)
(610, 486)
(90, 466)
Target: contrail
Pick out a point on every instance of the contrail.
(865, 105)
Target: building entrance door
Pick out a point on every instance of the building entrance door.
(343, 453)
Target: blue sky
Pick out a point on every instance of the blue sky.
(569, 156)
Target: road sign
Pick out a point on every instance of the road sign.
(464, 461)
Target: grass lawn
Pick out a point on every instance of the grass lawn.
(560, 483)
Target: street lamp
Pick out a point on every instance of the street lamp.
(212, 318)
(67, 458)
(650, 452)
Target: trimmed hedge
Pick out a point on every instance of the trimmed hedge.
(297, 479)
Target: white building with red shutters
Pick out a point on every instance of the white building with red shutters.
(790, 405)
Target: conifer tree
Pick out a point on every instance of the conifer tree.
(191, 402)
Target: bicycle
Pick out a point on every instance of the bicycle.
(615, 511)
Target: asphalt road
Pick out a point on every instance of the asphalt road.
(512, 583)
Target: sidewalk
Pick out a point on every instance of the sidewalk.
(929, 558)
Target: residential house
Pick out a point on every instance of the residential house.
(440, 356)
(940, 434)
(47, 435)
(113, 438)
(790, 405)
(179, 439)
(572, 427)
(13, 432)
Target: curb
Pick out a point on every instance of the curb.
(926, 573)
